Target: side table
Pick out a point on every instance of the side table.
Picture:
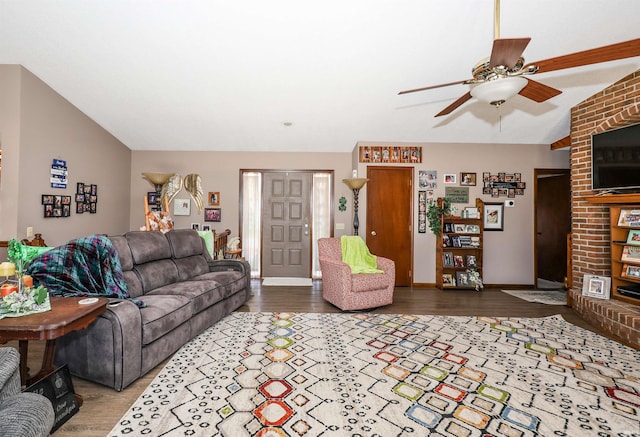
(67, 314)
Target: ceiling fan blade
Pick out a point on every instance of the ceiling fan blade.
(452, 107)
(621, 50)
(507, 51)
(538, 92)
(432, 87)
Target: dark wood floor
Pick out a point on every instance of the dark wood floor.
(103, 406)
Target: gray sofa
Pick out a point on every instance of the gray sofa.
(22, 414)
(185, 292)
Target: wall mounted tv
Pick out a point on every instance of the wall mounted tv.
(615, 159)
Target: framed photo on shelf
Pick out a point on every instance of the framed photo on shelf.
(596, 286)
(447, 259)
(631, 253)
(493, 216)
(634, 237)
(629, 271)
(462, 279)
(472, 261)
(629, 217)
(468, 179)
(458, 260)
(448, 280)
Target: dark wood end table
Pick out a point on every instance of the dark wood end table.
(66, 315)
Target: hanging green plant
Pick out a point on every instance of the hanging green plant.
(435, 212)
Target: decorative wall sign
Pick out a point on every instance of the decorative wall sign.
(56, 206)
(503, 184)
(86, 198)
(391, 154)
(457, 194)
(59, 174)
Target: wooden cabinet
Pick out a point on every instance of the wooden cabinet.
(459, 250)
(625, 251)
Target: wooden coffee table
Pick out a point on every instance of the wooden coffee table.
(66, 315)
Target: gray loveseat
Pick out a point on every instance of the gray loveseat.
(185, 292)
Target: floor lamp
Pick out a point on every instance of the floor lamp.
(355, 184)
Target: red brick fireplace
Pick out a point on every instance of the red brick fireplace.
(614, 107)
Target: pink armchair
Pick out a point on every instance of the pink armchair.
(350, 291)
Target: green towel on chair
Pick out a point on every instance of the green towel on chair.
(356, 254)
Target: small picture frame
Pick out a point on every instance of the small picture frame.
(493, 219)
(630, 271)
(447, 259)
(214, 198)
(450, 178)
(181, 206)
(631, 253)
(629, 217)
(212, 215)
(468, 179)
(462, 279)
(634, 237)
(195, 226)
(448, 280)
(206, 227)
(598, 287)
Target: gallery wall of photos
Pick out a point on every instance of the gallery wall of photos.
(395, 154)
(503, 184)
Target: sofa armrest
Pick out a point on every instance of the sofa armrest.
(115, 337)
(222, 265)
(385, 264)
(335, 274)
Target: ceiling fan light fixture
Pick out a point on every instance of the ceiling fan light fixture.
(496, 92)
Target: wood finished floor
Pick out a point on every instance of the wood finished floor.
(103, 406)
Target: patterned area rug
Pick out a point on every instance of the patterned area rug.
(294, 374)
(548, 297)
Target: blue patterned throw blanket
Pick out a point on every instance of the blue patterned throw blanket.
(87, 266)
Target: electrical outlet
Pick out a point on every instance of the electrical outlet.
(29, 231)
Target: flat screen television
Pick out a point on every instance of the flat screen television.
(615, 159)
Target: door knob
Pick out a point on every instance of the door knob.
(373, 233)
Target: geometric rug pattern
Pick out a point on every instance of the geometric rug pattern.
(362, 374)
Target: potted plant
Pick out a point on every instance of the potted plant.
(435, 212)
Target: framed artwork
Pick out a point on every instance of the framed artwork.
(206, 227)
(182, 206)
(212, 214)
(468, 179)
(195, 226)
(493, 217)
(596, 286)
(450, 178)
(629, 217)
(634, 237)
(214, 198)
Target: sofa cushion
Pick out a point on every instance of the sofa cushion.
(148, 246)
(202, 294)
(191, 266)
(185, 243)
(162, 314)
(232, 280)
(156, 274)
(124, 252)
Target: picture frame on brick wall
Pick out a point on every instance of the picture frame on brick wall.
(595, 286)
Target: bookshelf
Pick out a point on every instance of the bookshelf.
(458, 249)
(625, 251)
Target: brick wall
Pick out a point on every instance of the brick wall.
(614, 107)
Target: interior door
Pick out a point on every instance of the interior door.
(553, 223)
(286, 236)
(389, 213)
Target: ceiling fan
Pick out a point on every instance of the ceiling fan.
(502, 75)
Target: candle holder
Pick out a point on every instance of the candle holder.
(355, 184)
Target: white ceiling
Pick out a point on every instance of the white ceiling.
(228, 75)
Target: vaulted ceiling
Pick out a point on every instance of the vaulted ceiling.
(292, 75)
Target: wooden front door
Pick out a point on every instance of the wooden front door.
(552, 224)
(286, 213)
(389, 212)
